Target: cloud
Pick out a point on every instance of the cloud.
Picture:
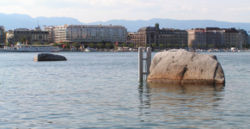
(101, 10)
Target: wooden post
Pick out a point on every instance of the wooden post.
(148, 60)
(140, 64)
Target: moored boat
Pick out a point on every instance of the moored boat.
(31, 48)
(90, 49)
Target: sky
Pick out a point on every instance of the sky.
(103, 10)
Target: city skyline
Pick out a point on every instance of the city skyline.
(103, 10)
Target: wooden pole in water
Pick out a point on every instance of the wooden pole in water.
(148, 60)
(140, 64)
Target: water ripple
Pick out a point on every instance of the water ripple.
(100, 90)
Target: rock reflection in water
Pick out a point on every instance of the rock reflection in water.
(187, 105)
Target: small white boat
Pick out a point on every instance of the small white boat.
(233, 49)
(90, 49)
(31, 48)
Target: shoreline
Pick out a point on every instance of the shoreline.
(241, 51)
(2, 50)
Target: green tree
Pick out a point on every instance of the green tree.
(169, 45)
(124, 45)
(131, 45)
(183, 45)
(100, 45)
(76, 45)
(247, 45)
(203, 46)
(7, 44)
(190, 45)
(176, 45)
(210, 45)
(162, 46)
(154, 45)
(55, 44)
(199, 45)
(91, 45)
(66, 45)
(108, 45)
(23, 39)
(37, 43)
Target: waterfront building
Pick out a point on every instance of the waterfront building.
(59, 34)
(248, 43)
(10, 37)
(51, 33)
(243, 39)
(213, 37)
(2, 36)
(197, 38)
(173, 38)
(156, 37)
(137, 38)
(205, 37)
(88, 33)
(27, 36)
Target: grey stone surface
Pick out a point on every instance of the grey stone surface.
(183, 67)
(49, 57)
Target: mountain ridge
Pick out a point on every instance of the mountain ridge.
(12, 21)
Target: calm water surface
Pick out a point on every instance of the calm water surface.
(100, 90)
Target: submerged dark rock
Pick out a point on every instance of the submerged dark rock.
(49, 57)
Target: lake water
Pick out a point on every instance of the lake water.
(100, 90)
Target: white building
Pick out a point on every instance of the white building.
(88, 33)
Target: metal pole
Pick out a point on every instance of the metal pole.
(140, 64)
(148, 60)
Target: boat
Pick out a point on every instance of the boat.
(31, 48)
(233, 49)
(90, 49)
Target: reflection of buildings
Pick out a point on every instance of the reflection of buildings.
(216, 38)
(155, 36)
(87, 33)
(30, 36)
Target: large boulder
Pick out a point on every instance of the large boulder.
(183, 67)
(49, 57)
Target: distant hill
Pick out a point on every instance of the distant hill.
(12, 21)
(133, 26)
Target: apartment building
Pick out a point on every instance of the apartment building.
(10, 37)
(148, 36)
(197, 38)
(31, 36)
(88, 33)
(213, 37)
(248, 39)
(50, 31)
(2, 36)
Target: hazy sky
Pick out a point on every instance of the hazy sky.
(102, 10)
